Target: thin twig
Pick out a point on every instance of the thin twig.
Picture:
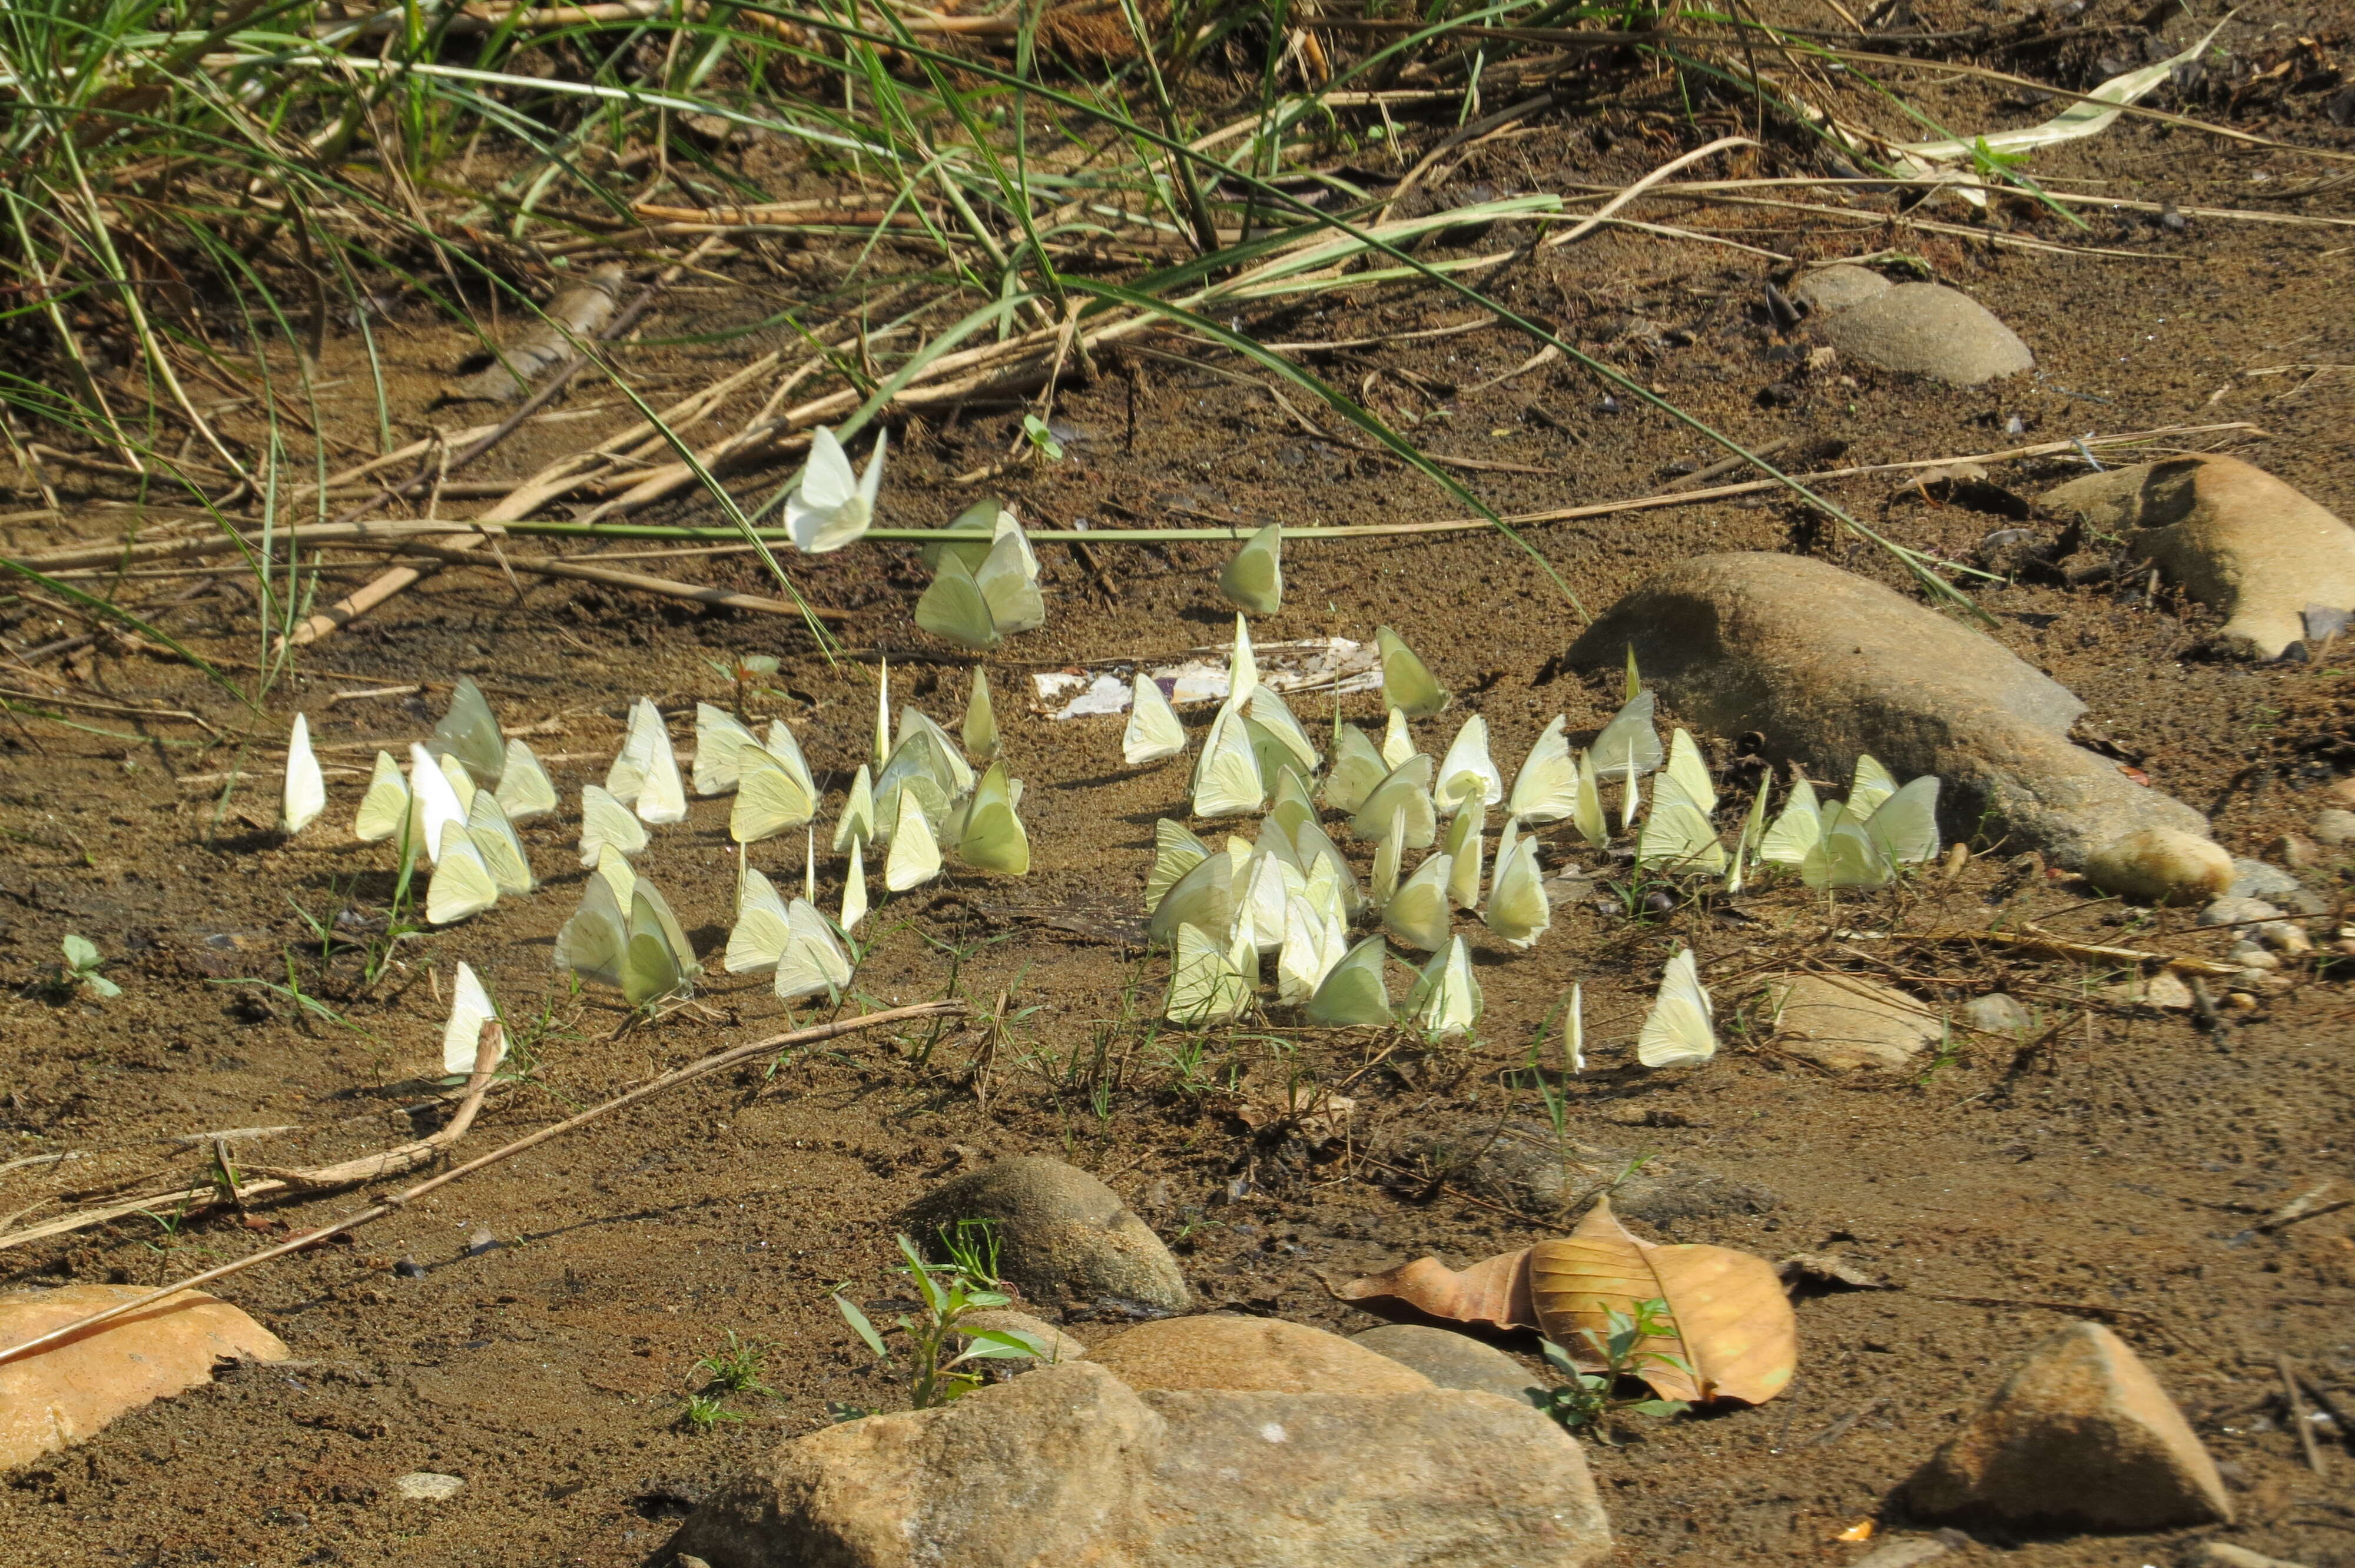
(714, 1063)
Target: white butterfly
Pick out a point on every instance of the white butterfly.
(1227, 781)
(305, 794)
(525, 792)
(772, 797)
(1358, 767)
(1356, 993)
(462, 783)
(1628, 746)
(385, 807)
(830, 507)
(1242, 666)
(495, 840)
(469, 732)
(719, 735)
(1408, 786)
(470, 1008)
(1465, 844)
(1312, 946)
(1467, 768)
(434, 806)
(1546, 789)
(813, 962)
(1796, 827)
(1518, 908)
(856, 824)
(1268, 711)
(759, 937)
(1175, 851)
(915, 855)
(1208, 984)
(661, 795)
(605, 820)
(1448, 993)
(462, 885)
(1418, 913)
(854, 888)
(1205, 895)
(1398, 742)
(1679, 1031)
(1407, 681)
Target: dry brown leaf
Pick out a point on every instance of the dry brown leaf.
(1494, 1292)
(1734, 1327)
(1265, 1099)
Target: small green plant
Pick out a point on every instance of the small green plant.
(747, 673)
(80, 968)
(1950, 1050)
(1589, 1397)
(738, 1369)
(938, 1373)
(703, 1412)
(1992, 167)
(1041, 437)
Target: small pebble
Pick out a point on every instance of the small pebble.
(410, 1269)
(480, 1242)
(2240, 1002)
(2294, 851)
(2284, 938)
(2238, 912)
(424, 1486)
(2334, 827)
(2250, 956)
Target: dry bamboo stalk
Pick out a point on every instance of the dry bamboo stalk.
(394, 1204)
(2045, 942)
(668, 587)
(362, 600)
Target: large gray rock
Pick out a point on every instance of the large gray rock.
(1259, 1354)
(1826, 664)
(1063, 1236)
(1844, 1022)
(2080, 1437)
(1070, 1465)
(1926, 329)
(2236, 538)
(1451, 1360)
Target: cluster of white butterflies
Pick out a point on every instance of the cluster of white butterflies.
(986, 586)
(465, 789)
(457, 809)
(1293, 893)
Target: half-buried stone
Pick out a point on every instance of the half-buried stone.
(2237, 539)
(1451, 1360)
(1922, 329)
(1063, 1237)
(1826, 665)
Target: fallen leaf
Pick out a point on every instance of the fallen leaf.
(1494, 1292)
(1861, 1531)
(1265, 1100)
(1735, 1336)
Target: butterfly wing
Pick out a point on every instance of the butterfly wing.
(1253, 580)
(605, 820)
(525, 791)
(1407, 787)
(759, 935)
(1154, 732)
(1798, 827)
(462, 885)
(1678, 1031)
(469, 731)
(1546, 789)
(719, 734)
(1175, 851)
(1628, 740)
(1407, 681)
(1449, 993)
(992, 838)
(1204, 896)
(1517, 910)
(1688, 774)
(769, 800)
(1205, 985)
(857, 823)
(1227, 781)
(1355, 993)
(1905, 825)
(470, 1008)
(915, 855)
(662, 795)
(1467, 768)
(813, 963)
(1357, 767)
(854, 888)
(1243, 665)
(434, 803)
(1008, 581)
(591, 943)
(1677, 836)
(953, 608)
(1418, 912)
(1871, 785)
(495, 840)
(1270, 713)
(385, 807)
(305, 794)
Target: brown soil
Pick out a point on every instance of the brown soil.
(2117, 1173)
